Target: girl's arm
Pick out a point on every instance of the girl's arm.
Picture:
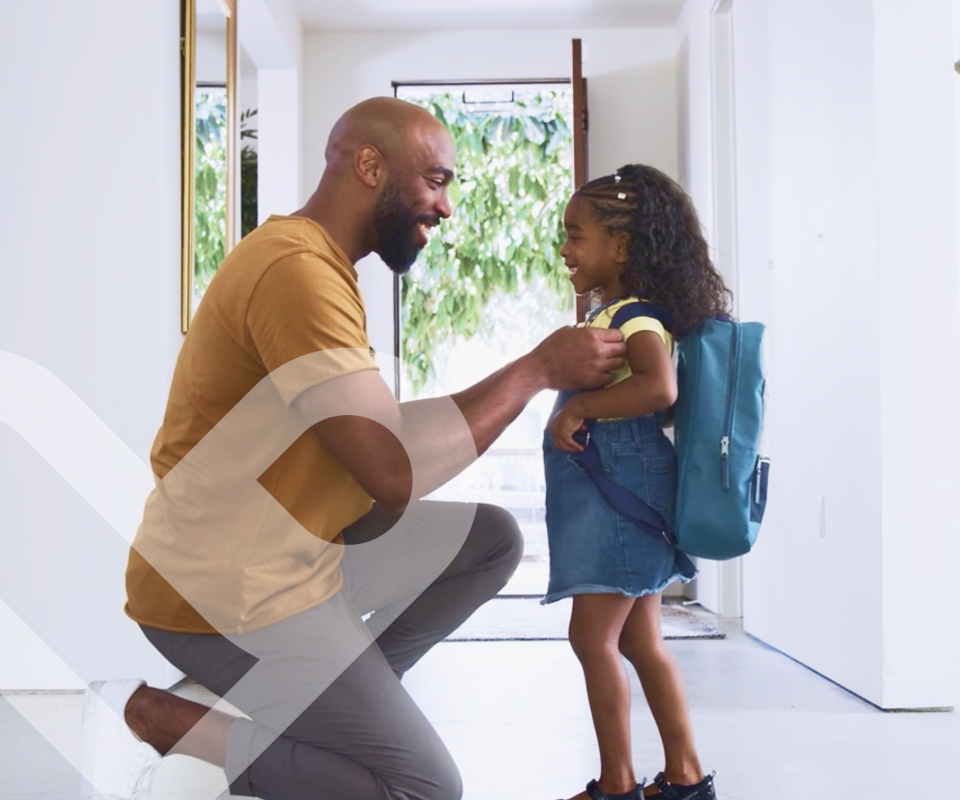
(652, 387)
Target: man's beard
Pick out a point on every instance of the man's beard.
(396, 230)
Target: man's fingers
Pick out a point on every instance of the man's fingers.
(613, 350)
(580, 358)
(609, 341)
(613, 362)
(607, 334)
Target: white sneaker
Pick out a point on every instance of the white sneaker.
(114, 763)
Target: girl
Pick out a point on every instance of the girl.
(631, 237)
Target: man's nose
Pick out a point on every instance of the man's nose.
(443, 207)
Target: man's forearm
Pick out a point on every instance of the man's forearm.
(445, 446)
(442, 445)
(491, 405)
(427, 442)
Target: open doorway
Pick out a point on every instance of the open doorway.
(491, 283)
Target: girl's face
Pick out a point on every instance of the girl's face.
(594, 256)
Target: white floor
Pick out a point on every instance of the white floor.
(514, 715)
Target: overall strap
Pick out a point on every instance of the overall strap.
(620, 499)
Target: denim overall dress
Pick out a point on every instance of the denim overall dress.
(594, 550)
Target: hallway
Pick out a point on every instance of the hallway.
(515, 717)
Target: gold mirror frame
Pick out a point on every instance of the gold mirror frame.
(188, 59)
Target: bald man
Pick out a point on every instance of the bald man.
(301, 582)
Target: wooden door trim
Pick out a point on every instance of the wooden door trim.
(581, 126)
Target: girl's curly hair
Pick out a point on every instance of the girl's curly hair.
(669, 263)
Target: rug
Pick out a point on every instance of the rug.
(523, 619)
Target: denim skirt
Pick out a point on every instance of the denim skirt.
(594, 550)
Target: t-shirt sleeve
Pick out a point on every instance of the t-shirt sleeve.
(305, 305)
(637, 324)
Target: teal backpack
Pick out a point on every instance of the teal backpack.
(721, 479)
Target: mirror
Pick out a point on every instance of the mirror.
(209, 55)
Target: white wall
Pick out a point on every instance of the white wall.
(847, 216)
(920, 357)
(248, 89)
(632, 96)
(272, 38)
(89, 289)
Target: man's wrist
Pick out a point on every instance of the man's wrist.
(533, 371)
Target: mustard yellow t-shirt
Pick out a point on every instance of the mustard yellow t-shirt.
(285, 291)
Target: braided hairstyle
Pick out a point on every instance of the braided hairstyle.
(668, 259)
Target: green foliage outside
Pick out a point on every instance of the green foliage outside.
(248, 174)
(210, 202)
(505, 234)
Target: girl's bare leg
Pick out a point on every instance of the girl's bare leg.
(595, 632)
(641, 642)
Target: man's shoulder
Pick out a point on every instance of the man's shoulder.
(280, 238)
(283, 247)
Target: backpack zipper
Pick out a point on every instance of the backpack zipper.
(725, 462)
(731, 401)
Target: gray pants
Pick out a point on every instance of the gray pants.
(330, 719)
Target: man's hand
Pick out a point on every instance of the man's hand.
(580, 358)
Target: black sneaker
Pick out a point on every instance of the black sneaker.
(671, 791)
(593, 789)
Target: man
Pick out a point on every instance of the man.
(265, 545)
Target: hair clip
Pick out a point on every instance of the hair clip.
(621, 196)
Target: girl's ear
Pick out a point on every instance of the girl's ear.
(622, 248)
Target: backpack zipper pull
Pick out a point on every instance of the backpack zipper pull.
(725, 462)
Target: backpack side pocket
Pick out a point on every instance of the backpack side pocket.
(758, 489)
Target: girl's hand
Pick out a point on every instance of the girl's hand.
(565, 424)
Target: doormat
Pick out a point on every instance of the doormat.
(523, 619)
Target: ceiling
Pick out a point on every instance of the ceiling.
(420, 15)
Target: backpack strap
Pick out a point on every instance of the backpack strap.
(643, 309)
(622, 500)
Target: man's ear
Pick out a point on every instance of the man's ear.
(369, 165)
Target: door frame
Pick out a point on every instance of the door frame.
(729, 582)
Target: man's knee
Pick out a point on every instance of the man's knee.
(437, 779)
(449, 784)
(498, 528)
